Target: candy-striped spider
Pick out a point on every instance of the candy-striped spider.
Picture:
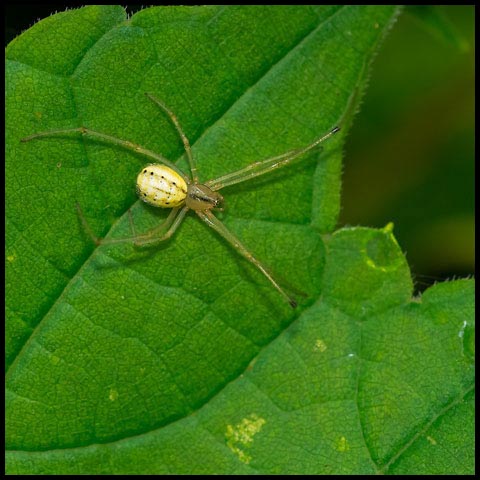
(163, 184)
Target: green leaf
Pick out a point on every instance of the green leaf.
(181, 358)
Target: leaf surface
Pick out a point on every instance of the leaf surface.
(180, 358)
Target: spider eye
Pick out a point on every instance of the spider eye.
(219, 201)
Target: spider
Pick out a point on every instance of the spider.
(163, 184)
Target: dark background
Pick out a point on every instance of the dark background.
(409, 158)
(410, 154)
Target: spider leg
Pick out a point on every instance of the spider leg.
(155, 235)
(109, 139)
(250, 171)
(213, 222)
(169, 226)
(259, 168)
(186, 143)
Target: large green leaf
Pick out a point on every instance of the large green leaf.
(181, 358)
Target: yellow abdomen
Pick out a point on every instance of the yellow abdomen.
(161, 186)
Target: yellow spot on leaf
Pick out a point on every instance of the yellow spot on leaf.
(113, 395)
(54, 359)
(240, 436)
(431, 440)
(320, 345)
(11, 258)
(342, 445)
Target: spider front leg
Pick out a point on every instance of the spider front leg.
(155, 235)
(259, 168)
(212, 221)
